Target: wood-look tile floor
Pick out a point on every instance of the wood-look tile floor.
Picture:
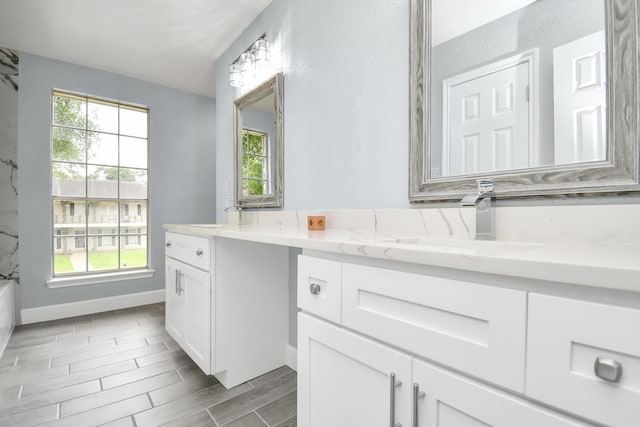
(121, 368)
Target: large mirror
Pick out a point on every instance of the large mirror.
(258, 146)
(539, 95)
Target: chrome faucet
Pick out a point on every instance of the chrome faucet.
(485, 215)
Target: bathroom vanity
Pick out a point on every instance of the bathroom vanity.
(406, 328)
(226, 303)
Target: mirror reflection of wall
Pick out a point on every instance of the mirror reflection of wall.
(516, 84)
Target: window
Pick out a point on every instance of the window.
(255, 163)
(98, 167)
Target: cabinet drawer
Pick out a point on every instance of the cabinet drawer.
(565, 339)
(319, 287)
(474, 328)
(193, 250)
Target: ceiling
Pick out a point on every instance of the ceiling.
(169, 42)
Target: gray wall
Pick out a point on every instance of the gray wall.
(346, 87)
(545, 24)
(181, 169)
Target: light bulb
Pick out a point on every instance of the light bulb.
(235, 75)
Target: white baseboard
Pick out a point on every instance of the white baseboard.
(79, 308)
(292, 358)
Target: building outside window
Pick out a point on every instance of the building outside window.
(99, 167)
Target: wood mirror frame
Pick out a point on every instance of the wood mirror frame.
(617, 174)
(274, 199)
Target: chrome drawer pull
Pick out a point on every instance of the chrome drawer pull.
(417, 394)
(392, 399)
(199, 252)
(314, 288)
(608, 369)
(177, 280)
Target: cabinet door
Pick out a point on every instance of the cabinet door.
(451, 400)
(344, 379)
(195, 289)
(174, 303)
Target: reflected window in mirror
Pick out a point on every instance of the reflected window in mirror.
(256, 179)
(258, 146)
(526, 92)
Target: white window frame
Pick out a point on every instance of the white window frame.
(107, 275)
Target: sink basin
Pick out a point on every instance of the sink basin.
(489, 245)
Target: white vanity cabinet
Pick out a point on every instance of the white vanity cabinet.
(345, 379)
(188, 295)
(457, 350)
(227, 304)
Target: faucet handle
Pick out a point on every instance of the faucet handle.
(485, 186)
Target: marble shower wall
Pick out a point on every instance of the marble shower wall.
(8, 164)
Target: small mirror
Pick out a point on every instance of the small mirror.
(539, 95)
(258, 146)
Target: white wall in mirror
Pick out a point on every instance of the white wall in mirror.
(452, 18)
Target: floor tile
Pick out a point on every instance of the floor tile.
(279, 410)
(96, 400)
(248, 420)
(189, 404)
(105, 414)
(291, 422)
(260, 396)
(122, 369)
(199, 419)
(77, 378)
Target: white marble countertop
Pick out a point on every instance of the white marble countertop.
(606, 265)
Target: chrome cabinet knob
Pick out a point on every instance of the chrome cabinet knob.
(314, 288)
(199, 252)
(168, 244)
(607, 369)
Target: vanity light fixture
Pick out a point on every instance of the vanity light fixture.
(244, 67)
(235, 75)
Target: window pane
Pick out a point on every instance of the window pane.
(133, 152)
(134, 216)
(68, 216)
(102, 148)
(255, 187)
(69, 258)
(102, 257)
(133, 122)
(256, 168)
(102, 182)
(135, 258)
(61, 257)
(103, 116)
(68, 144)
(69, 111)
(133, 183)
(104, 214)
(68, 180)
